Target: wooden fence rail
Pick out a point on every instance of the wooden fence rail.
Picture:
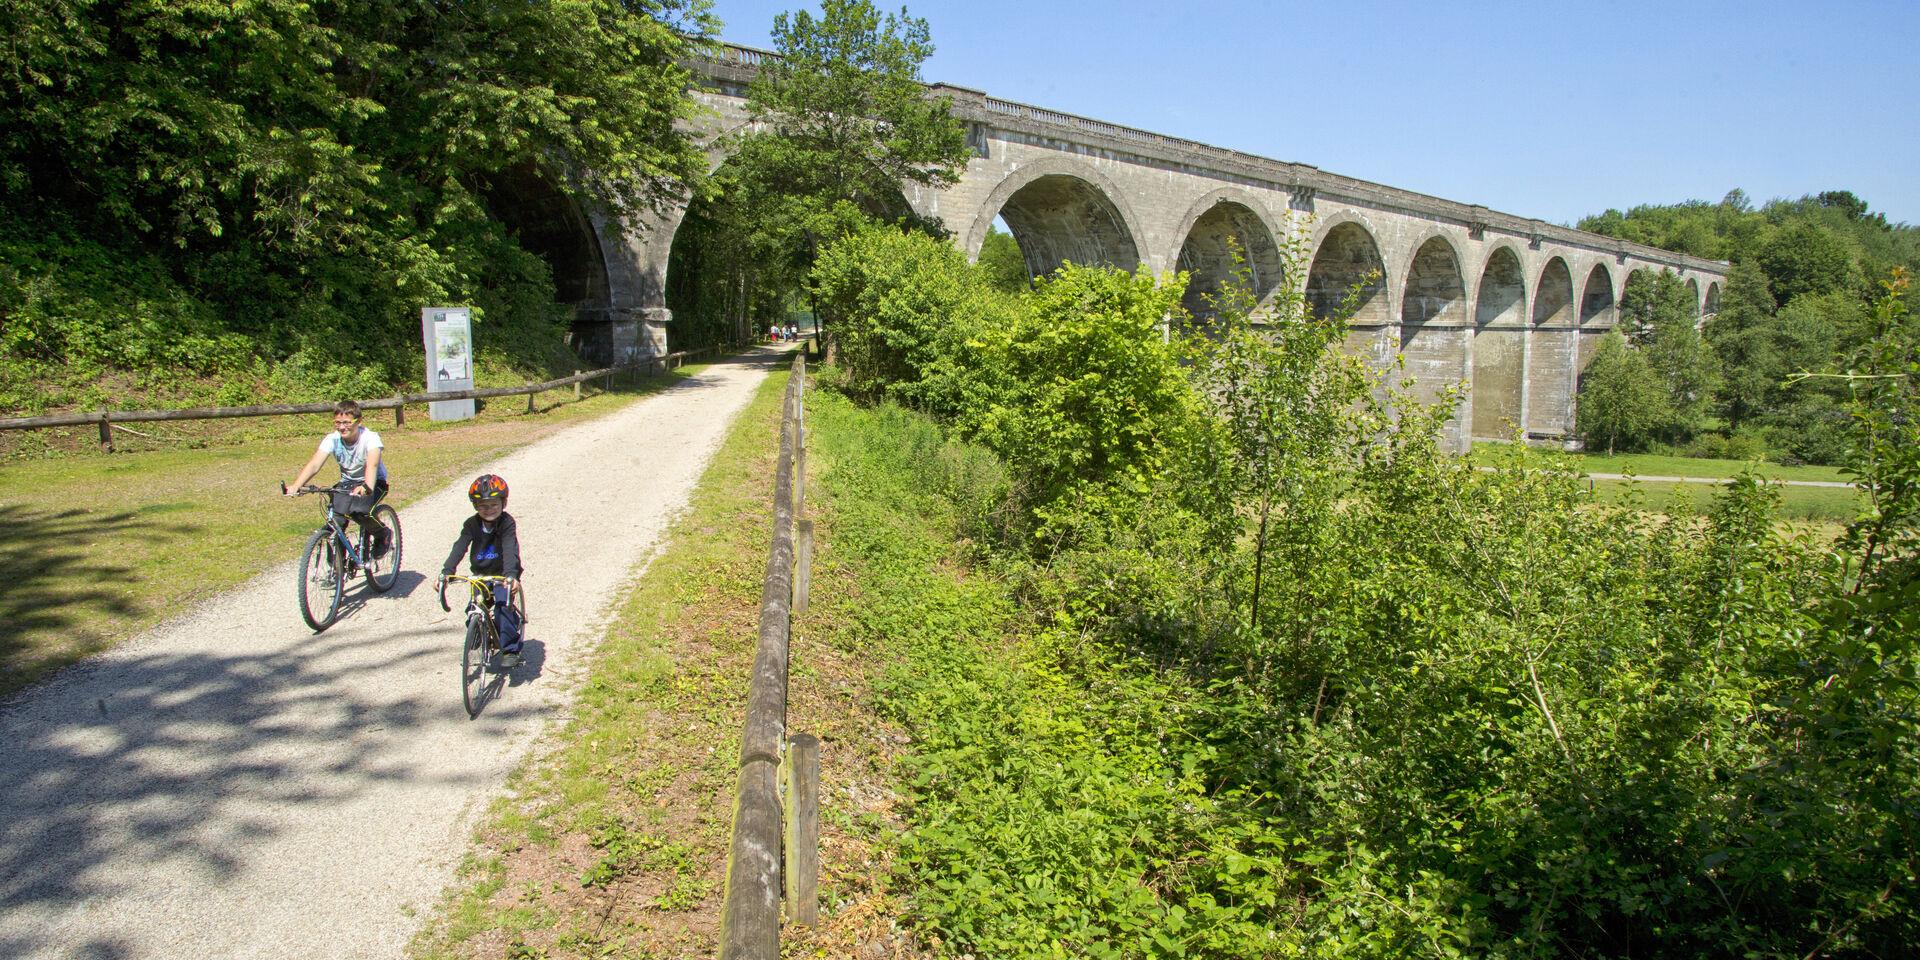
(106, 417)
(758, 855)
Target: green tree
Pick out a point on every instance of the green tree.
(1001, 260)
(312, 174)
(1658, 316)
(841, 124)
(1804, 258)
(844, 121)
(1622, 403)
(1742, 337)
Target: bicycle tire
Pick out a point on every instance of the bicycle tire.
(473, 666)
(320, 583)
(383, 573)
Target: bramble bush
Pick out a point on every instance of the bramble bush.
(1303, 684)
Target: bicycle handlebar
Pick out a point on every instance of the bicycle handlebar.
(483, 578)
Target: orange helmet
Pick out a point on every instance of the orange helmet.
(487, 487)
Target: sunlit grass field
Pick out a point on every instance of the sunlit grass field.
(1829, 505)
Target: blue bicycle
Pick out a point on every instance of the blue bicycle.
(333, 556)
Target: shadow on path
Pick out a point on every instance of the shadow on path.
(191, 760)
(52, 584)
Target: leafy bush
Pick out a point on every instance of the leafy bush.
(1812, 429)
(1621, 404)
(1092, 393)
(1295, 682)
(907, 312)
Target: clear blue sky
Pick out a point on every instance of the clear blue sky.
(1540, 109)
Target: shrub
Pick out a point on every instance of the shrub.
(1091, 393)
(906, 311)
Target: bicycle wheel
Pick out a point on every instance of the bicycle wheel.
(473, 665)
(383, 572)
(320, 580)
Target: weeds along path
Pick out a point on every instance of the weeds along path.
(232, 785)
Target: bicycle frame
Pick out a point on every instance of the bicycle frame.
(337, 524)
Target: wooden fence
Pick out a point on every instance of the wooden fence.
(774, 850)
(106, 418)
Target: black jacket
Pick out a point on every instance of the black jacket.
(496, 552)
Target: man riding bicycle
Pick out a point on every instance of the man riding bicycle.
(358, 452)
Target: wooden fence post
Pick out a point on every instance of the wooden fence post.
(576, 386)
(750, 909)
(530, 396)
(106, 432)
(399, 410)
(803, 830)
(803, 567)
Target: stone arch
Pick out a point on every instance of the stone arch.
(1499, 344)
(1059, 210)
(1344, 254)
(1551, 341)
(1433, 307)
(1693, 295)
(549, 223)
(1599, 311)
(1203, 234)
(1712, 305)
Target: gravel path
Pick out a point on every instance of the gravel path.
(231, 785)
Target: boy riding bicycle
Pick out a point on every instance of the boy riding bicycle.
(491, 540)
(358, 452)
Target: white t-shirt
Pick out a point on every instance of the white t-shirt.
(353, 457)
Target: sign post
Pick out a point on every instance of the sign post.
(448, 335)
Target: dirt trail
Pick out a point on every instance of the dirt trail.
(231, 785)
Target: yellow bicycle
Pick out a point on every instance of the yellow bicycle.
(482, 645)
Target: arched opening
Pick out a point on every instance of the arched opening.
(1433, 337)
(729, 275)
(1060, 217)
(1693, 296)
(1499, 346)
(1552, 341)
(1001, 260)
(1207, 256)
(1713, 300)
(1348, 260)
(549, 224)
(1598, 313)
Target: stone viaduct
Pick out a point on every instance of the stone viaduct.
(1510, 306)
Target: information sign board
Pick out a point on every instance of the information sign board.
(448, 335)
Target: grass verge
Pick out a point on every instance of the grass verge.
(103, 546)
